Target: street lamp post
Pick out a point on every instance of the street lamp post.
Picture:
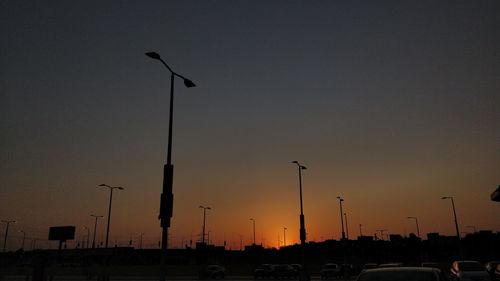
(341, 217)
(203, 229)
(167, 197)
(253, 222)
(88, 237)
(346, 227)
(7, 222)
(454, 215)
(302, 223)
(416, 222)
(95, 228)
(24, 238)
(111, 188)
(284, 236)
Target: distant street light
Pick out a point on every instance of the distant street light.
(284, 236)
(346, 227)
(302, 223)
(95, 228)
(7, 222)
(167, 197)
(88, 237)
(454, 214)
(253, 221)
(24, 238)
(203, 229)
(416, 222)
(341, 217)
(111, 188)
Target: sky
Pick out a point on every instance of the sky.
(389, 104)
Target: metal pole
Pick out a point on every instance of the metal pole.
(455, 215)
(341, 217)
(284, 236)
(302, 223)
(203, 232)
(109, 214)
(24, 237)
(346, 227)
(6, 233)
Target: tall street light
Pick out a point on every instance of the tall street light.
(341, 217)
(111, 188)
(454, 215)
(346, 227)
(204, 217)
(253, 221)
(7, 222)
(167, 197)
(95, 227)
(302, 223)
(284, 236)
(416, 222)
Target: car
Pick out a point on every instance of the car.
(496, 274)
(402, 274)
(263, 271)
(297, 267)
(330, 270)
(468, 270)
(284, 271)
(212, 271)
(491, 266)
(392, 264)
(367, 266)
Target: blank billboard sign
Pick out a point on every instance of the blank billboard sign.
(62, 233)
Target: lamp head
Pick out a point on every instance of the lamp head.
(153, 55)
(303, 167)
(120, 188)
(294, 162)
(445, 197)
(188, 83)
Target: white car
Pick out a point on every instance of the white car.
(469, 271)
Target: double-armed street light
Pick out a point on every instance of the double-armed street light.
(167, 197)
(416, 222)
(7, 222)
(341, 217)
(302, 223)
(95, 227)
(111, 188)
(204, 219)
(253, 223)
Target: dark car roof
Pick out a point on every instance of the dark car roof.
(416, 273)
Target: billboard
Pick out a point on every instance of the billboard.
(62, 233)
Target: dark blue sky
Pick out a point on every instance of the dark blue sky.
(390, 103)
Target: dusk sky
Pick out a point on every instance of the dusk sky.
(389, 104)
